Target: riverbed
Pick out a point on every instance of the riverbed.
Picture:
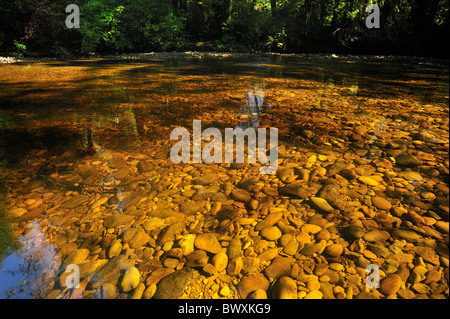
(87, 178)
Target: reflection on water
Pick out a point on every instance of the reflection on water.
(84, 141)
(254, 105)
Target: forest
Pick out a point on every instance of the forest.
(407, 27)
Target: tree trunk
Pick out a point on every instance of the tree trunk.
(335, 14)
(273, 7)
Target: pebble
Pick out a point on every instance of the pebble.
(76, 257)
(322, 205)
(115, 249)
(208, 242)
(225, 291)
(257, 294)
(391, 284)
(108, 291)
(252, 283)
(381, 203)
(420, 288)
(279, 267)
(376, 235)
(296, 190)
(198, 258)
(271, 233)
(285, 288)
(172, 286)
(186, 244)
(411, 176)
(405, 294)
(315, 294)
(268, 254)
(16, 212)
(109, 273)
(428, 254)
(241, 195)
(408, 235)
(220, 261)
(206, 179)
(368, 181)
(334, 250)
(234, 266)
(170, 263)
(407, 160)
(115, 221)
(130, 280)
(311, 228)
(149, 292)
(138, 292)
(291, 247)
(354, 232)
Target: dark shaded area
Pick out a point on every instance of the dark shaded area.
(407, 27)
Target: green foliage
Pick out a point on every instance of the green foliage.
(167, 34)
(102, 27)
(19, 47)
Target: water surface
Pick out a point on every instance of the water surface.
(72, 128)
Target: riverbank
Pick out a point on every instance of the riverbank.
(205, 55)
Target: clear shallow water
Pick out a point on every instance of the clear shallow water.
(69, 128)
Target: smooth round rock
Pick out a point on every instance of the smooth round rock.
(257, 294)
(130, 280)
(408, 235)
(285, 288)
(108, 291)
(224, 291)
(278, 268)
(368, 181)
(354, 232)
(315, 294)
(170, 263)
(234, 266)
(208, 242)
(173, 285)
(322, 205)
(16, 212)
(115, 249)
(138, 291)
(376, 235)
(311, 228)
(406, 294)
(271, 233)
(220, 261)
(251, 283)
(241, 195)
(291, 247)
(76, 257)
(421, 288)
(334, 250)
(149, 292)
(381, 203)
(407, 160)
